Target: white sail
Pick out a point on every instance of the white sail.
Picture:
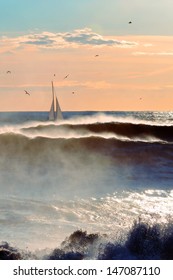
(55, 111)
(58, 114)
(51, 112)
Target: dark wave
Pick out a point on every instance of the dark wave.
(149, 163)
(129, 130)
(16, 145)
(143, 242)
(9, 253)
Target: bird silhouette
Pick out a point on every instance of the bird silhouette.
(96, 55)
(26, 92)
(130, 22)
(66, 76)
(8, 72)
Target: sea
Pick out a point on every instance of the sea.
(95, 185)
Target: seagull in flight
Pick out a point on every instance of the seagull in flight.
(8, 72)
(66, 76)
(26, 92)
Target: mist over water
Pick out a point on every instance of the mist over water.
(96, 172)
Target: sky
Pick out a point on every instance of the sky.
(111, 64)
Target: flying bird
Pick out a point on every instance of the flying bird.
(26, 92)
(130, 22)
(96, 55)
(8, 72)
(66, 76)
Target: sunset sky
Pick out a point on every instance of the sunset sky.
(43, 40)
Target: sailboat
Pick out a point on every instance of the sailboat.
(55, 110)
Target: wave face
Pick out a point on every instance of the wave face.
(92, 172)
(117, 130)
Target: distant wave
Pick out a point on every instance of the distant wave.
(143, 242)
(129, 131)
(122, 131)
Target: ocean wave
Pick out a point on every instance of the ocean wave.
(122, 131)
(143, 242)
(16, 144)
(130, 131)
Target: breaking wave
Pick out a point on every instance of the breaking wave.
(119, 130)
(143, 242)
(107, 140)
